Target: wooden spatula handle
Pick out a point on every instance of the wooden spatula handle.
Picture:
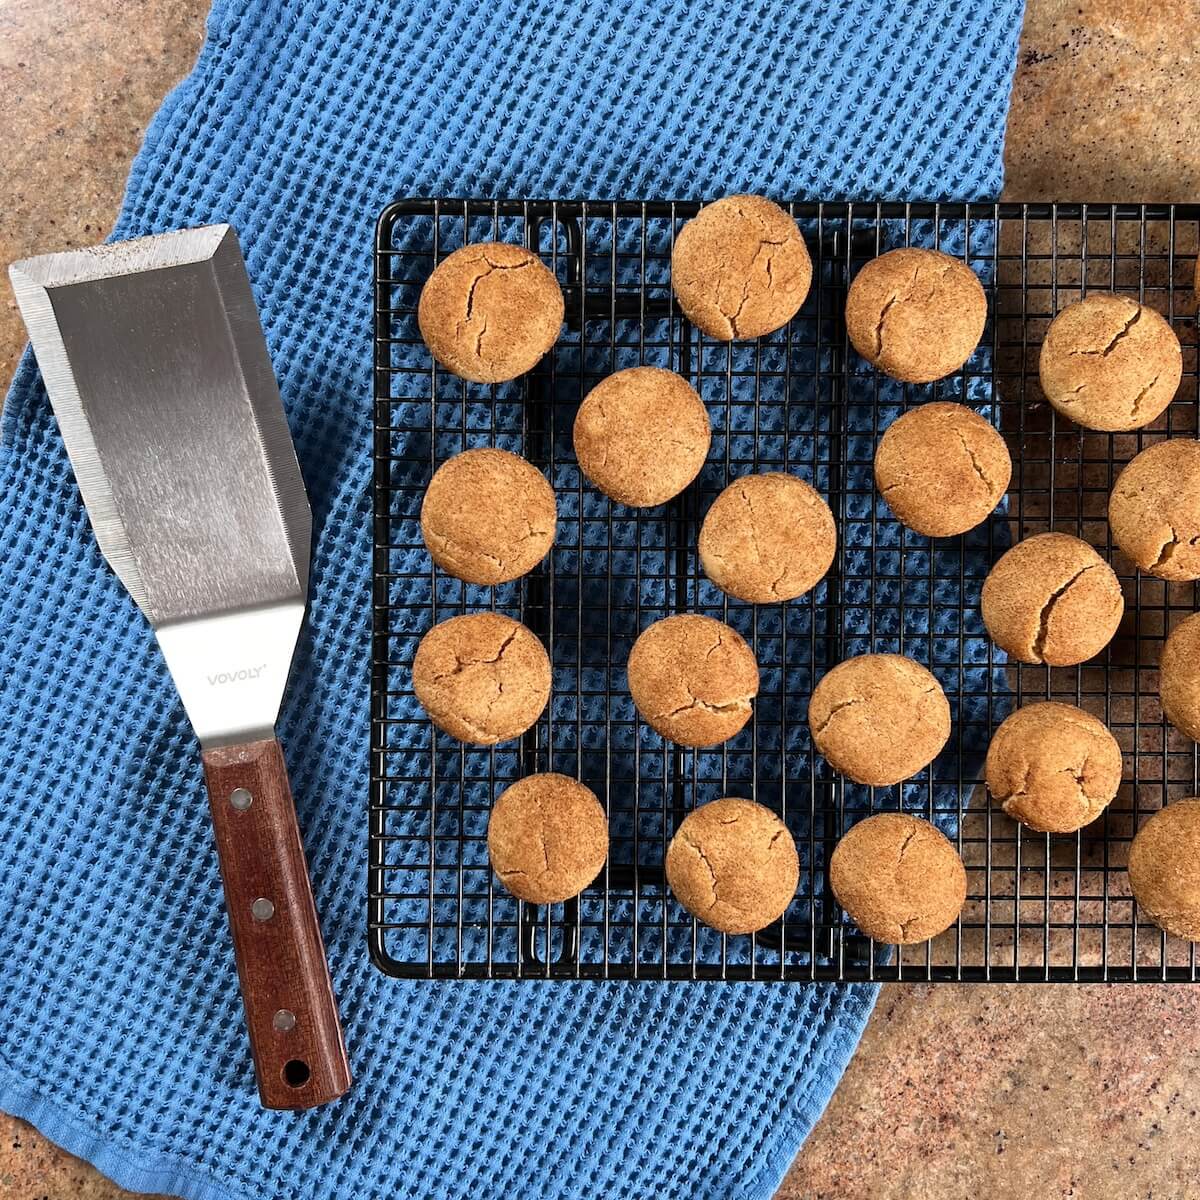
(292, 1017)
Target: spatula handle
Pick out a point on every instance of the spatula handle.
(292, 1017)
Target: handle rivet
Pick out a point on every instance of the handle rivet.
(284, 1020)
(262, 909)
(240, 799)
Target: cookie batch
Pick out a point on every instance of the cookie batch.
(740, 269)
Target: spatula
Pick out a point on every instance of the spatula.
(156, 366)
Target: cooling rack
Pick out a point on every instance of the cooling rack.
(1039, 907)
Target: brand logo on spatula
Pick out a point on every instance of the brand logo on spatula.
(236, 676)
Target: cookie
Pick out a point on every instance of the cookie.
(767, 538)
(1164, 868)
(1052, 599)
(693, 679)
(547, 838)
(490, 311)
(484, 678)
(899, 878)
(942, 469)
(1053, 767)
(879, 718)
(740, 268)
(1110, 363)
(916, 314)
(642, 435)
(1179, 677)
(1154, 510)
(733, 865)
(488, 516)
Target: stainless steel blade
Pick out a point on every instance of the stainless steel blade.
(155, 363)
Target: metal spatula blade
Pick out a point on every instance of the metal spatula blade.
(156, 366)
(155, 363)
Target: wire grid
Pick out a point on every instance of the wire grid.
(1039, 907)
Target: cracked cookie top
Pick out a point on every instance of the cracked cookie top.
(1179, 677)
(642, 435)
(1154, 510)
(916, 314)
(879, 718)
(1052, 599)
(490, 311)
(1053, 767)
(1110, 363)
(693, 679)
(899, 878)
(1164, 868)
(547, 838)
(733, 865)
(484, 678)
(488, 516)
(767, 538)
(941, 468)
(740, 268)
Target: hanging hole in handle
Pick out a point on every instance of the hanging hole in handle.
(296, 1073)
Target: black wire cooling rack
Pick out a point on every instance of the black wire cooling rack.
(1039, 907)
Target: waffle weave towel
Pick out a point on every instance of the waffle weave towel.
(120, 1025)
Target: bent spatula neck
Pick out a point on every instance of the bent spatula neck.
(231, 669)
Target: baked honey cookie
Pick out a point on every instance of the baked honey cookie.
(1110, 363)
(942, 469)
(642, 435)
(547, 838)
(490, 311)
(693, 679)
(879, 718)
(483, 678)
(488, 516)
(1154, 510)
(899, 878)
(733, 865)
(1052, 599)
(1164, 868)
(767, 538)
(916, 314)
(1179, 677)
(1053, 767)
(740, 268)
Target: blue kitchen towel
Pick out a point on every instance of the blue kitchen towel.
(121, 1034)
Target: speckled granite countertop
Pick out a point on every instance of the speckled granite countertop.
(957, 1093)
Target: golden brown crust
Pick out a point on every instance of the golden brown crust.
(916, 314)
(484, 678)
(1154, 510)
(547, 838)
(767, 538)
(642, 435)
(1052, 599)
(488, 516)
(693, 679)
(490, 311)
(733, 865)
(899, 878)
(1164, 868)
(879, 718)
(740, 268)
(1179, 677)
(1053, 767)
(1110, 363)
(942, 468)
